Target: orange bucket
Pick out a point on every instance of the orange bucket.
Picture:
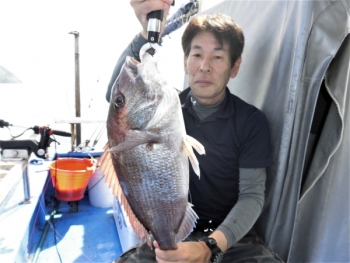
(70, 177)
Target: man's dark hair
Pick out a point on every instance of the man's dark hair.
(224, 28)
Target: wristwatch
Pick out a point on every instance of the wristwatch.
(216, 253)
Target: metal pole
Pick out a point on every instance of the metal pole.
(77, 87)
(73, 136)
(26, 187)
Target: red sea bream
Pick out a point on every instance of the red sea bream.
(148, 154)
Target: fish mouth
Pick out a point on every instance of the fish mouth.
(132, 62)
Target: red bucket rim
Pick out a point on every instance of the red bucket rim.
(92, 162)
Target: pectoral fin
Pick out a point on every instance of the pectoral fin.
(188, 143)
(135, 138)
(196, 145)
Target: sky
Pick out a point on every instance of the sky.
(35, 42)
(35, 45)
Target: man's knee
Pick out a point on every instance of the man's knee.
(139, 253)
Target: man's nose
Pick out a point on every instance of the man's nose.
(205, 66)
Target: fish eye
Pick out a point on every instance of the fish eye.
(119, 100)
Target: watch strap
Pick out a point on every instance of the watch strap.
(216, 253)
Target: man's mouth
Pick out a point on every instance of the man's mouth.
(203, 82)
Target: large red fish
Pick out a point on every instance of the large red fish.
(149, 152)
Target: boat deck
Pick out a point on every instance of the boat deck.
(77, 232)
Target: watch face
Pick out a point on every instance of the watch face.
(217, 254)
(212, 241)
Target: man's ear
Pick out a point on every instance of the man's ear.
(185, 65)
(234, 70)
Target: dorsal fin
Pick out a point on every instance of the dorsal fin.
(106, 165)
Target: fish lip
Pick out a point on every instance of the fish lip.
(131, 62)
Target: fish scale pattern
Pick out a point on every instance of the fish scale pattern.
(146, 161)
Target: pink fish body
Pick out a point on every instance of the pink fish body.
(149, 152)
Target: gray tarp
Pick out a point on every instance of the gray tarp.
(291, 47)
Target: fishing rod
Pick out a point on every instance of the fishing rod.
(89, 140)
(181, 17)
(31, 145)
(85, 146)
(98, 136)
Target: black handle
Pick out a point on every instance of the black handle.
(158, 14)
(4, 124)
(61, 133)
(47, 131)
(154, 21)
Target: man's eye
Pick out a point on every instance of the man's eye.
(217, 57)
(196, 55)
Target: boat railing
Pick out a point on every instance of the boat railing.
(14, 158)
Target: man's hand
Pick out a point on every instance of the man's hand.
(190, 251)
(186, 252)
(143, 7)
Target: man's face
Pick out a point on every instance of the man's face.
(208, 66)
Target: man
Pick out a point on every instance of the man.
(229, 196)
